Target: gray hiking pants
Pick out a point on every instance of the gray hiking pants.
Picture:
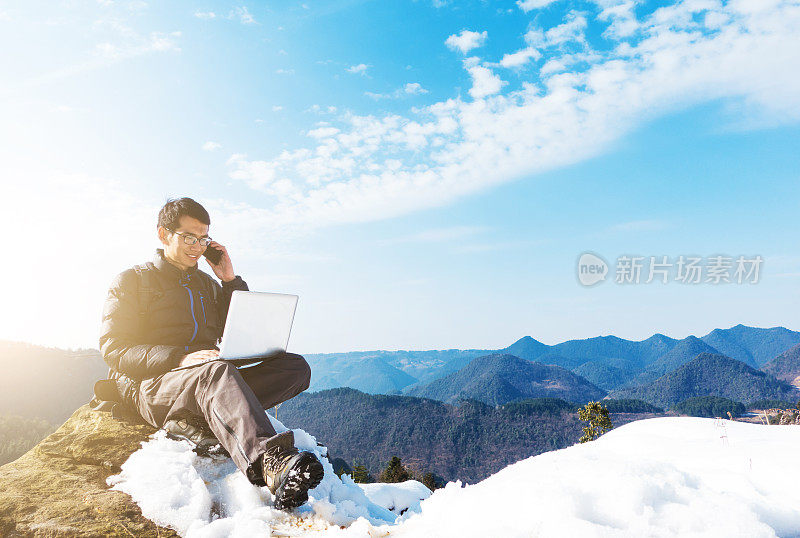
(231, 400)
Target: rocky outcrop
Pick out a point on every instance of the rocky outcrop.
(58, 488)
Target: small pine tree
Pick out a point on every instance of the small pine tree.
(429, 481)
(361, 474)
(395, 472)
(598, 418)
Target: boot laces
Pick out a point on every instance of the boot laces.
(276, 458)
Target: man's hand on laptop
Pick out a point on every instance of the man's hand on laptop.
(199, 357)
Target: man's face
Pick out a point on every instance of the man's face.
(176, 250)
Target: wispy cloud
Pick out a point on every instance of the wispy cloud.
(360, 69)
(242, 14)
(211, 146)
(466, 41)
(528, 5)
(412, 88)
(377, 167)
(118, 43)
(205, 15)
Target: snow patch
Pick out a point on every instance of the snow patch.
(208, 497)
(673, 476)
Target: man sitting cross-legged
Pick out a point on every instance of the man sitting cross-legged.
(169, 313)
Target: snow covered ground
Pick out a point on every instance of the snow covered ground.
(673, 476)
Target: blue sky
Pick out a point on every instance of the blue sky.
(424, 174)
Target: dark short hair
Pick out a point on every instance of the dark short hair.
(170, 215)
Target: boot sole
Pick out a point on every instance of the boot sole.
(306, 474)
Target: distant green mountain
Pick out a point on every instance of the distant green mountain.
(45, 382)
(608, 374)
(711, 375)
(682, 352)
(785, 366)
(329, 370)
(371, 374)
(500, 378)
(752, 345)
(467, 442)
(604, 350)
(526, 348)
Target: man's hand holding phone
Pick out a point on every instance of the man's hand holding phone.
(199, 357)
(223, 267)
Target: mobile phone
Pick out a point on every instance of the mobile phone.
(214, 255)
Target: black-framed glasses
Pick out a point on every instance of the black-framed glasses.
(189, 239)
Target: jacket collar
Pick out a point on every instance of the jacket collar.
(163, 265)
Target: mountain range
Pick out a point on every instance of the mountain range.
(711, 375)
(501, 378)
(49, 382)
(609, 362)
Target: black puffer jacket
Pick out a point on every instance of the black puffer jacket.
(186, 314)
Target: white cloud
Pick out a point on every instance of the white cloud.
(571, 30)
(520, 58)
(323, 132)
(242, 14)
(206, 15)
(528, 5)
(360, 69)
(284, 71)
(414, 88)
(277, 108)
(466, 41)
(211, 146)
(377, 167)
(484, 82)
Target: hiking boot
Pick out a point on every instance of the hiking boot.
(196, 431)
(288, 473)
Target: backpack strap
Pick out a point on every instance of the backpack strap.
(147, 293)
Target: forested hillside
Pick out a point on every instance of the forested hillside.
(468, 442)
(711, 375)
(500, 378)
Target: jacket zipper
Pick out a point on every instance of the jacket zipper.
(191, 309)
(203, 306)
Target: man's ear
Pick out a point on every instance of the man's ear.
(162, 235)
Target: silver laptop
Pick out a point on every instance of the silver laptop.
(258, 325)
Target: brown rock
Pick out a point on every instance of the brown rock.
(58, 488)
